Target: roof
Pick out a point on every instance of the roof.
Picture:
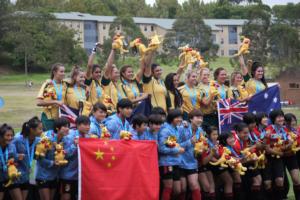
(162, 22)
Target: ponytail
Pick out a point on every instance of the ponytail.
(54, 69)
(31, 124)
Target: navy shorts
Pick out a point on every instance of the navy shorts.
(169, 172)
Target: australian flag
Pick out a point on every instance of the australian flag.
(231, 111)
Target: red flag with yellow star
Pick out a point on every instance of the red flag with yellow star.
(118, 169)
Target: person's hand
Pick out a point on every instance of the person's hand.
(181, 150)
(21, 156)
(193, 140)
(144, 96)
(185, 124)
(56, 162)
(58, 103)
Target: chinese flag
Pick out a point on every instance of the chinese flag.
(118, 169)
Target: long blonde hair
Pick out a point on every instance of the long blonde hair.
(76, 70)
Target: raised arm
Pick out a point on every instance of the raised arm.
(139, 74)
(180, 69)
(90, 65)
(109, 64)
(147, 63)
(243, 66)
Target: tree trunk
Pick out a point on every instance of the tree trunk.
(25, 64)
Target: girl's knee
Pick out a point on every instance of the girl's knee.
(279, 182)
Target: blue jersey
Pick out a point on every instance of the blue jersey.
(115, 125)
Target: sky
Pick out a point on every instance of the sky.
(269, 2)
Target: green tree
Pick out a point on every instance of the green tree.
(190, 29)
(36, 40)
(166, 8)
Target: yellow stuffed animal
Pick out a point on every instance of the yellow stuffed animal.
(49, 92)
(199, 58)
(43, 146)
(171, 142)
(104, 133)
(118, 43)
(186, 55)
(295, 142)
(12, 172)
(201, 146)
(244, 48)
(214, 89)
(236, 165)
(155, 42)
(250, 156)
(261, 160)
(222, 161)
(137, 44)
(125, 135)
(277, 147)
(60, 155)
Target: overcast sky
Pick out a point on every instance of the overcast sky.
(269, 2)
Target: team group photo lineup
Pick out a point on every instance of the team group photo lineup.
(166, 100)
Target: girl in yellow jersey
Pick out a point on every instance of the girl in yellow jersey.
(76, 93)
(256, 82)
(237, 90)
(51, 96)
(93, 80)
(220, 76)
(174, 98)
(208, 95)
(190, 94)
(130, 84)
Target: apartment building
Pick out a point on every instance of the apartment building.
(90, 29)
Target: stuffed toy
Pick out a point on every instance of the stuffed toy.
(201, 146)
(42, 147)
(125, 135)
(295, 142)
(60, 155)
(277, 147)
(236, 165)
(186, 55)
(222, 161)
(244, 48)
(261, 160)
(250, 155)
(155, 42)
(12, 172)
(104, 133)
(214, 89)
(171, 142)
(199, 59)
(118, 43)
(138, 45)
(49, 92)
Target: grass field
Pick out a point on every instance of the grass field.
(20, 103)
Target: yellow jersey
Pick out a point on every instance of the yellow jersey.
(130, 90)
(254, 86)
(191, 98)
(205, 91)
(96, 92)
(238, 93)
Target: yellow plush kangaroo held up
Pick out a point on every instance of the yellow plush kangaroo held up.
(42, 147)
(118, 43)
(12, 172)
(244, 48)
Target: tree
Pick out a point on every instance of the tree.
(37, 40)
(166, 8)
(288, 13)
(190, 29)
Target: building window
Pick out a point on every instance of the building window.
(232, 35)
(78, 25)
(222, 40)
(145, 28)
(214, 38)
(222, 52)
(152, 28)
(104, 27)
(231, 52)
(294, 85)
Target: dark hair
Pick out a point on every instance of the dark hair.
(99, 106)
(155, 119)
(249, 118)
(238, 127)
(138, 120)
(259, 116)
(254, 67)
(60, 122)
(181, 83)
(223, 138)
(170, 87)
(153, 66)
(217, 72)
(124, 103)
(33, 123)
(173, 113)
(158, 111)
(54, 69)
(211, 129)
(289, 117)
(82, 120)
(4, 128)
(123, 70)
(274, 114)
(94, 67)
(195, 113)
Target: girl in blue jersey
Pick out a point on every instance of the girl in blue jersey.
(97, 119)
(139, 125)
(170, 156)
(7, 151)
(25, 147)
